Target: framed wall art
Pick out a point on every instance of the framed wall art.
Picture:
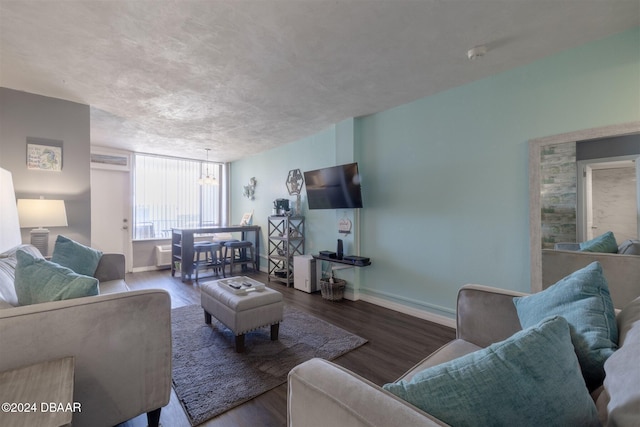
(44, 155)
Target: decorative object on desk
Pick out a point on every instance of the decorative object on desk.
(328, 254)
(208, 179)
(357, 260)
(210, 378)
(332, 289)
(9, 225)
(44, 154)
(41, 213)
(246, 218)
(250, 190)
(281, 206)
(344, 225)
(295, 179)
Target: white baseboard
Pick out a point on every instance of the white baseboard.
(148, 268)
(411, 311)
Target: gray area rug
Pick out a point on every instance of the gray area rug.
(210, 378)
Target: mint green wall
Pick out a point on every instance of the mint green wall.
(271, 170)
(445, 178)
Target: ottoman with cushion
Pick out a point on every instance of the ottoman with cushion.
(242, 310)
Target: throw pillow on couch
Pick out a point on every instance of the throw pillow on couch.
(530, 379)
(605, 243)
(583, 299)
(38, 280)
(68, 275)
(76, 256)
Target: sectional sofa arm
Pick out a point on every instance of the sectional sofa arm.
(121, 343)
(110, 267)
(321, 394)
(486, 315)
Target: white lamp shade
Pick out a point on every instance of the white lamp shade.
(42, 213)
(9, 226)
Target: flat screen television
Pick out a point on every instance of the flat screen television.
(336, 187)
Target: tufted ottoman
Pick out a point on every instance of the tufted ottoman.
(242, 304)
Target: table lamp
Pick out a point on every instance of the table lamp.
(9, 225)
(41, 213)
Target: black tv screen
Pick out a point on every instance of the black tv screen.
(336, 187)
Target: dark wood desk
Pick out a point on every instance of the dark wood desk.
(182, 244)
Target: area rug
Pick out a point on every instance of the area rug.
(210, 378)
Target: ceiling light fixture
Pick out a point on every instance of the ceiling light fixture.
(208, 179)
(476, 52)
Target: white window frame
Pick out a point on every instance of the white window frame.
(158, 225)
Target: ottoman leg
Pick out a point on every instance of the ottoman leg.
(274, 331)
(207, 318)
(240, 343)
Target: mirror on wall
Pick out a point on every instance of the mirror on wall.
(553, 188)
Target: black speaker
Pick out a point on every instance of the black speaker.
(340, 250)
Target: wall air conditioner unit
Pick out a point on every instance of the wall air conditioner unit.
(163, 256)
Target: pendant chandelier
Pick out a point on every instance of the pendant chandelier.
(208, 179)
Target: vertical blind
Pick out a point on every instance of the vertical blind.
(166, 195)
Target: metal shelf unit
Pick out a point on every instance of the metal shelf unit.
(286, 239)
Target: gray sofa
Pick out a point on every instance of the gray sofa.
(321, 393)
(120, 339)
(621, 270)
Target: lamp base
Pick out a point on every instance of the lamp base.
(40, 239)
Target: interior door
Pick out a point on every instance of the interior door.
(111, 212)
(608, 198)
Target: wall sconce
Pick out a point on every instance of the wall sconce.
(41, 213)
(249, 191)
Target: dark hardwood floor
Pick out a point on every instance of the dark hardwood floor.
(396, 342)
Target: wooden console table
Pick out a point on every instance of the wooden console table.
(182, 244)
(38, 395)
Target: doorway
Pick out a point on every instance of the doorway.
(110, 212)
(608, 192)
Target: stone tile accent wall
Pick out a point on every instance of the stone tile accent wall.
(558, 194)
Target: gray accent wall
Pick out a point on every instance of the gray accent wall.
(24, 115)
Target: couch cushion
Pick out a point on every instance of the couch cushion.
(530, 379)
(583, 299)
(629, 247)
(39, 280)
(113, 286)
(8, 273)
(76, 256)
(452, 350)
(619, 402)
(604, 243)
(7, 277)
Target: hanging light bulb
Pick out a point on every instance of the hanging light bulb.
(208, 179)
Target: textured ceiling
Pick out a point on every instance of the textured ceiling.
(241, 76)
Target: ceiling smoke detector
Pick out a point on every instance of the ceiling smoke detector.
(477, 52)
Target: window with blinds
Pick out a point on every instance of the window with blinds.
(166, 195)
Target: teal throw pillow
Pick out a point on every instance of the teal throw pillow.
(604, 243)
(583, 299)
(530, 379)
(39, 280)
(78, 257)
